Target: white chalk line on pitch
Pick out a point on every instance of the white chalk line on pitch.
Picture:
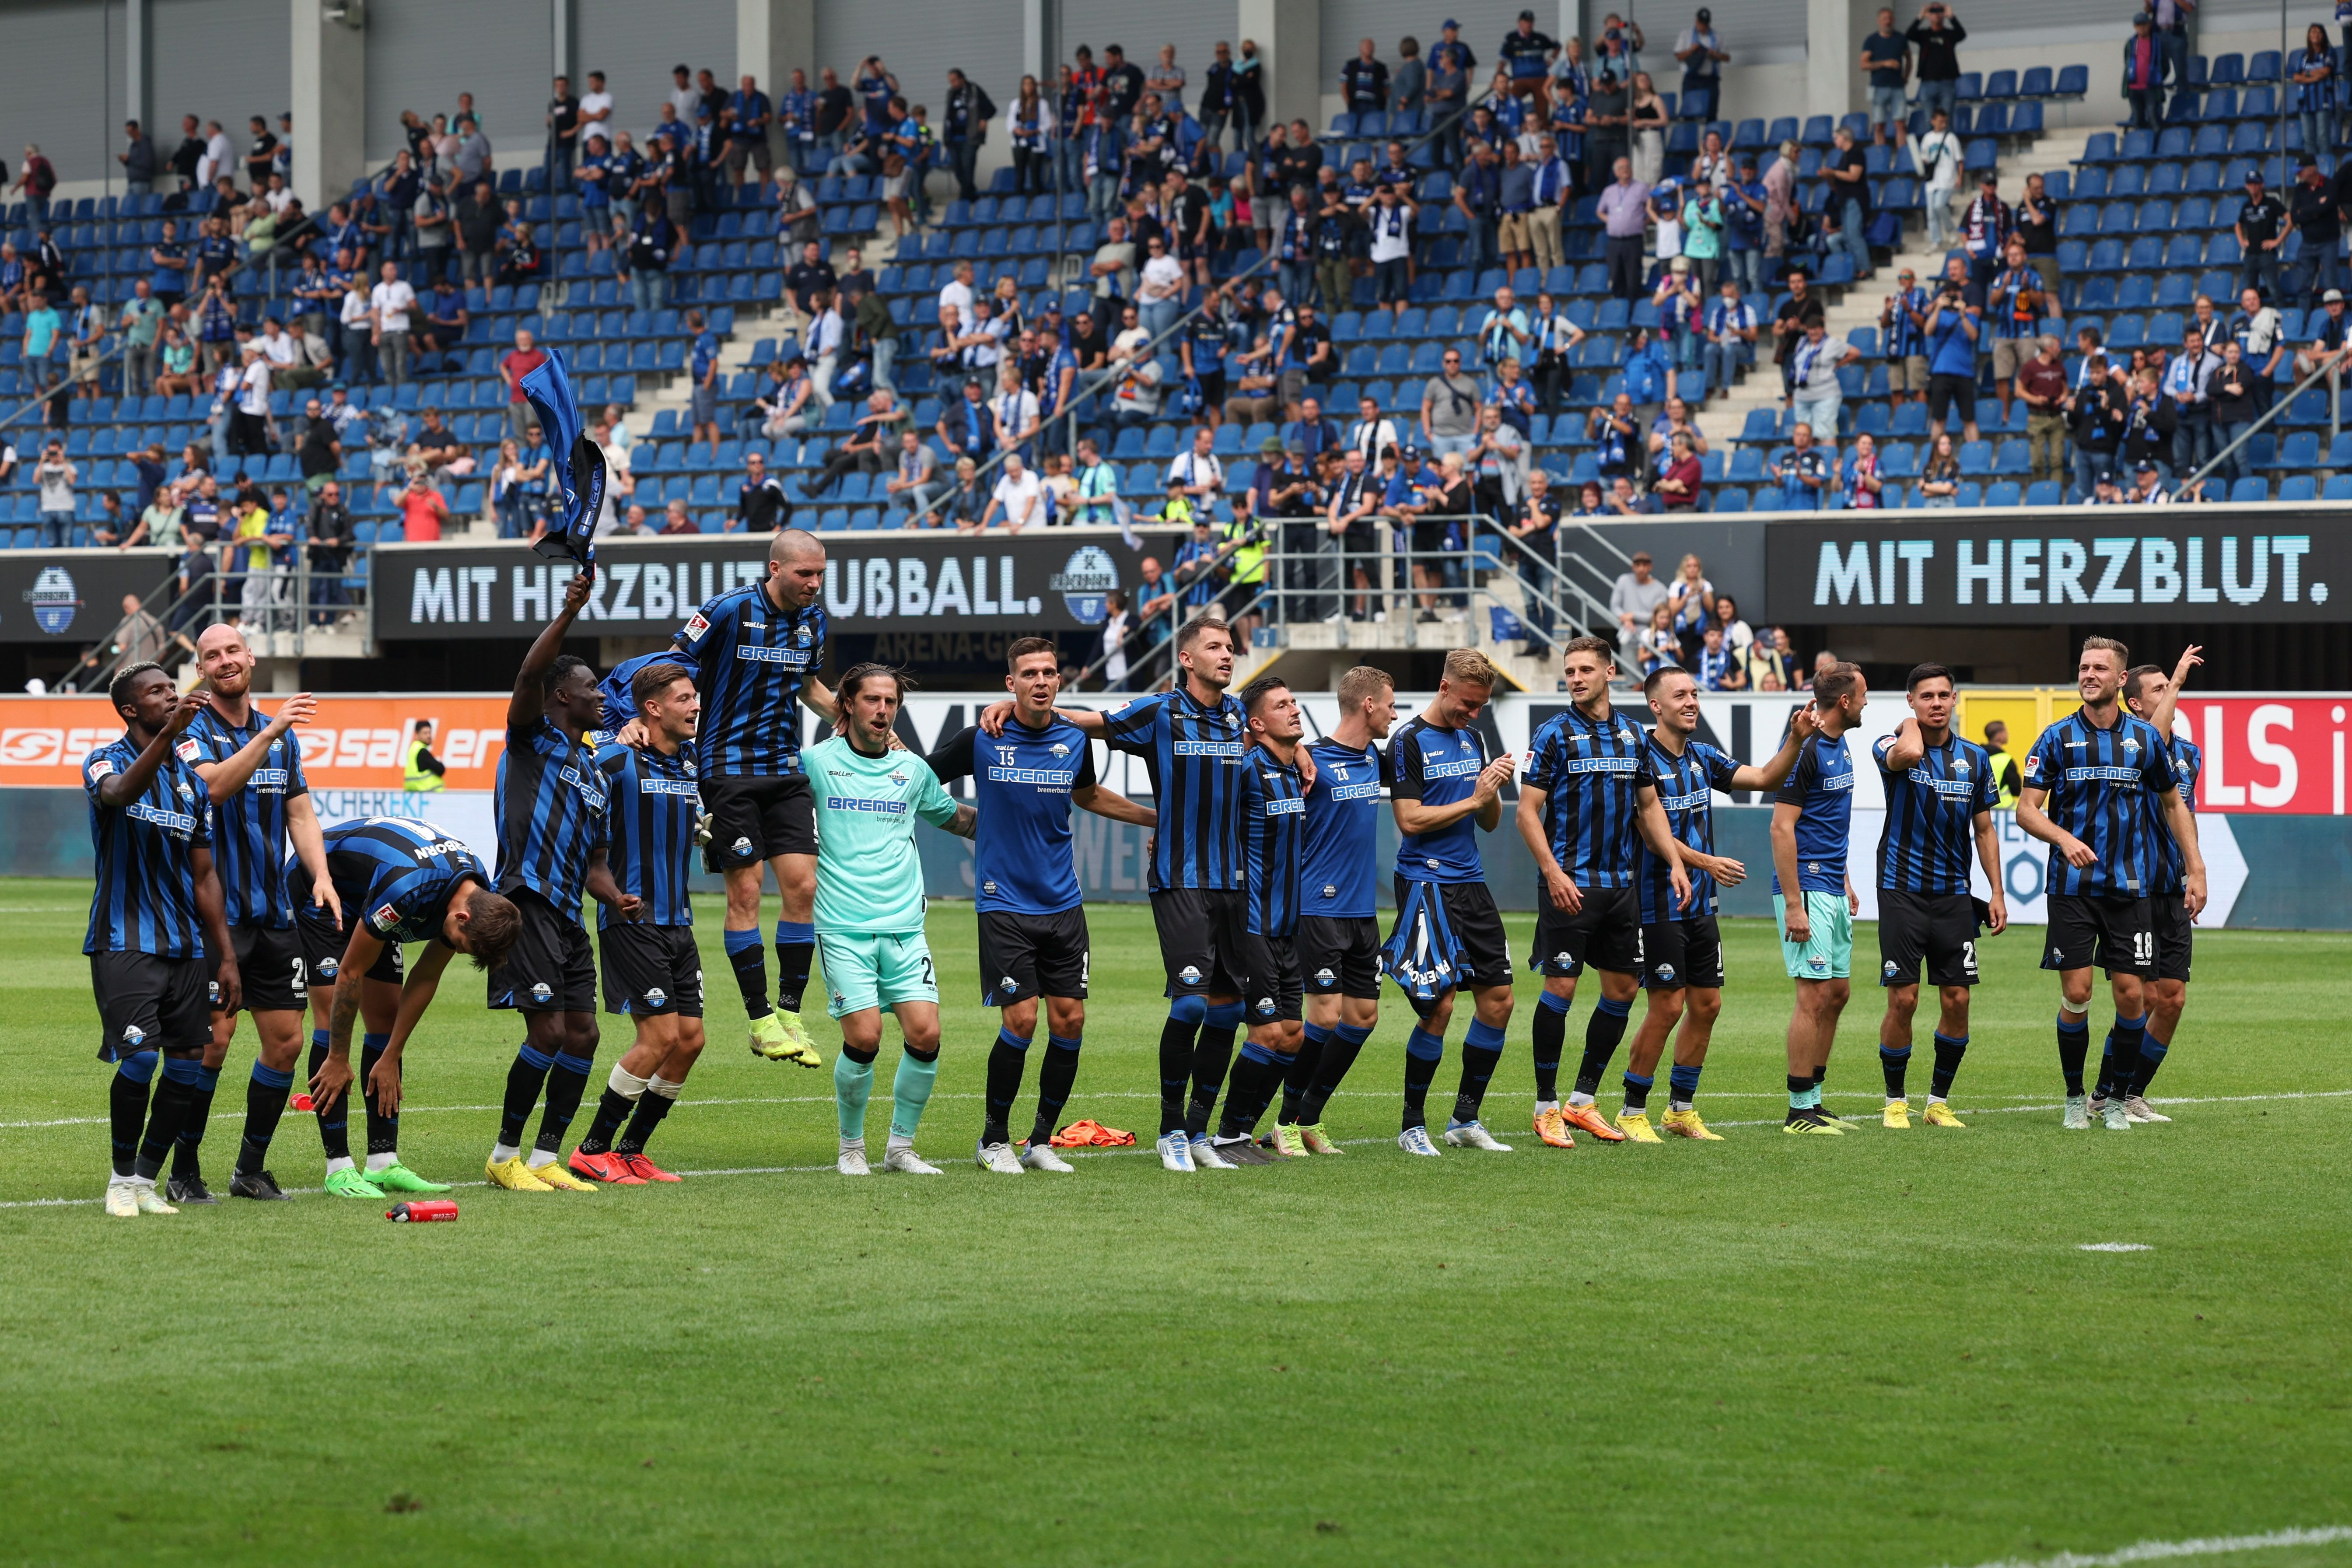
(2165, 1551)
(1343, 1094)
(1141, 1147)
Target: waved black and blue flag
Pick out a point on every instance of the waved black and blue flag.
(579, 462)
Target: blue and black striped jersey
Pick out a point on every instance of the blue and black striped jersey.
(620, 702)
(1820, 787)
(1437, 766)
(1193, 755)
(2098, 782)
(146, 898)
(1686, 787)
(1022, 859)
(1274, 817)
(751, 662)
(249, 827)
(396, 876)
(653, 800)
(1591, 772)
(2171, 872)
(1339, 859)
(552, 810)
(1929, 835)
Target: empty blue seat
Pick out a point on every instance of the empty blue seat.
(2297, 487)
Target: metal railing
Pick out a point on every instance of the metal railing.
(2331, 373)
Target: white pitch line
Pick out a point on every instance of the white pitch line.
(2165, 1551)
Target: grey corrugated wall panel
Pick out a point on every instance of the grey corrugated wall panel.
(634, 44)
(421, 53)
(918, 40)
(57, 53)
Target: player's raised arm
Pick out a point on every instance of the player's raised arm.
(1803, 725)
(1903, 748)
(225, 778)
(2160, 716)
(529, 702)
(121, 789)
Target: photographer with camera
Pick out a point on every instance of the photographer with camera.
(1954, 323)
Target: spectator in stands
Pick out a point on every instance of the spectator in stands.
(2318, 217)
(1847, 170)
(326, 537)
(422, 512)
(2188, 381)
(654, 244)
(675, 521)
(2097, 411)
(1659, 647)
(2256, 327)
(2144, 72)
(1450, 402)
(2041, 383)
(2328, 340)
(2147, 486)
(1953, 327)
(1816, 395)
(1678, 484)
(1805, 470)
(1886, 60)
(1634, 598)
(2235, 409)
(516, 363)
(55, 475)
(1769, 662)
(2262, 228)
(2014, 306)
(1623, 212)
(1700, 49)
(391, 301)
(2311, 73)
(2151, 422)
(1863, 489)
(1936, 37)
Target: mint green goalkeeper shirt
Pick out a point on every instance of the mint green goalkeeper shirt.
(869, 875)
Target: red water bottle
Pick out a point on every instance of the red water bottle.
(422, 1210)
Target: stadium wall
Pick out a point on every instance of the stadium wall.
(2271, 814)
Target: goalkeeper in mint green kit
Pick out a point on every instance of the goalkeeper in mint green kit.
(869, 910)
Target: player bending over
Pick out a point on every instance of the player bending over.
(252, 767)
(2152, 695)
(1033, 918)
(869, 910)
(395, 881)
(1448, 933)
(1339, 939)
(1681, 948)
(1274, 809)
(1589, 795)
(1812, 896)
(652, 970)
(1939, 800)
(2096, 783)
(154, 916)
(553, 821)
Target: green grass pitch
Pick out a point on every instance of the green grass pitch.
(1885, 1349)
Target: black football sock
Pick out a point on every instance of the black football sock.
(1949, 1052)
(175, 1095)
(1895, 1062)
(660, 1095)
(334, 1121)
(748, 959)
(382, 1131)
(2130, 1040)
(264, 1102)
(1637, 1092)
(1801, 1094)
(567, 1082)
(795, 948)
(186, 1147)
(1602, 1032)
(1210, 1056)
(1005, 1060)
(1056, 1074)
(2074, 1048)
(1256, 1077)
(1346, 1043)
(1423, 1052)
(126, 1107)
(1482, 1049)
(2152, 1052)
(2106, 1078)
(623, 1091)
(1550, 1036)
(1185, 1016)
(525, 1078)
(1299, 1077)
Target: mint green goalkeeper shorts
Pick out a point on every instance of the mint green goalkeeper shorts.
(875, 969)
(1829, 955)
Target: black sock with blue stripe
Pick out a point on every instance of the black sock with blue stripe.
(1895, 1062)
(1346, 1043)
(1602, 1033)
(264, 1102)
(382, 1131)
(567, 1083)
(1055, 1074)
(1257, 1073)
(748, 959)
(795, 951)
(334, 1121)
(1482, 1052)
(1185, 1016)
(1006, 1059)
(126, 1106)
(186, 1146)
(1550, 1037)
(2074, 1049)
(525, 1078)
(1637, 1092)
(1210, 1056)
(1949, 1052)
(1299, 1077)
(175, 1094)
(1423, 1052)
(1682, 1086)
(2152, 1052)
(2130, 1037)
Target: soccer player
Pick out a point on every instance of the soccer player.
(1033, 917)
(1443, 791)
(553, 812)
(2152, 695)
(755, 652)
(1192, 740)
(396, 881)
(1274, 811)
(252, 767)
(1681, 948)
(1812, 896)
(1339, 939)
(155, 918)
(2088, 781)
(1588, 793)
(1941, 790)
(652, 970)
(869, 910)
